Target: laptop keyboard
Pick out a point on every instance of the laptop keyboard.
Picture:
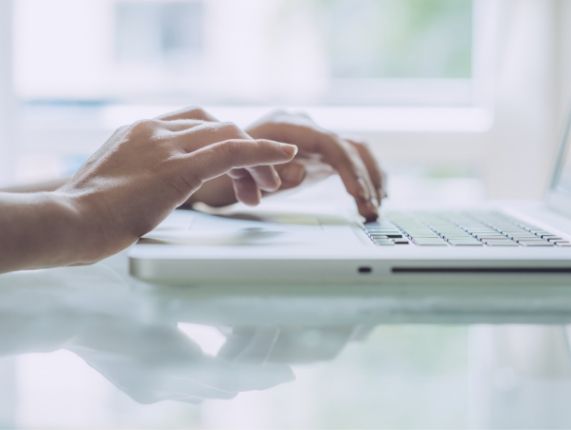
(461, 229)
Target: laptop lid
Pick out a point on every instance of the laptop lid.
(559, 194)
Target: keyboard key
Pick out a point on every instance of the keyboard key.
(535, 243)
(491, 236)
(384, 242)
(500, 243)
(429, 242)
(465, 243)
(385, 236)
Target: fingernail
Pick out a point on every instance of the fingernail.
(372, 218)
(374, 202)
(293, 174)
(289, 150)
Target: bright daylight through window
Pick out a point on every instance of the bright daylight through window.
(228, 52)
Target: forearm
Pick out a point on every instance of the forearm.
(35, 187)
(38, 230)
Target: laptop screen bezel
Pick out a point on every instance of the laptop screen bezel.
(557, 198)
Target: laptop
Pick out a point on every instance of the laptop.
(521, 242)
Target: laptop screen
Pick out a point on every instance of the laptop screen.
(562, 178)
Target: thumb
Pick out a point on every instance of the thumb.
(291, 174)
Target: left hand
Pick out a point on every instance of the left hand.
(321, 152)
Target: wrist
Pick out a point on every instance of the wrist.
(90, 232)
(45, 231)
(71, 238)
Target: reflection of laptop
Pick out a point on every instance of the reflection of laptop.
(523, 242)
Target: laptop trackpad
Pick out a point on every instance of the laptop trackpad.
(244, 229)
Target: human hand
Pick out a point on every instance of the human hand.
(245, 185)
(352, 160)
(147, 169)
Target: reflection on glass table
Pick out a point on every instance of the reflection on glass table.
(89, 346)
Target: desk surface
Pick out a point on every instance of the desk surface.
(89, 347)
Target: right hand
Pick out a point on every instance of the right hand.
(147, 169)
(323, 149)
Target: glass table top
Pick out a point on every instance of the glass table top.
(89, 347)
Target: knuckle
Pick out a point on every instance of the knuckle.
(198, 113)
(145, 126)
(342, 148)
(230, 129)
(342, 143)
(351, 151)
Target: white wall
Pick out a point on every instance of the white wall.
(565, 48)
(7, 102)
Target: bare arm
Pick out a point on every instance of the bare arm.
(38, 230)
(41, 227)
(217, 192)
(128, 187)
(35, 187)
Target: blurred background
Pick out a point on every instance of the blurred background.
(473, 92)
(440, 88)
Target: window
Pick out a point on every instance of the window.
(324, 52)
(387, 69)
(149, 34)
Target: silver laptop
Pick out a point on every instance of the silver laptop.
(513, 242)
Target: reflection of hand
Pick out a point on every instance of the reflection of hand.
(155, 363)
(92, 312)
(134, 341)
(290, 345)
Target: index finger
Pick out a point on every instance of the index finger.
(218, 159)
